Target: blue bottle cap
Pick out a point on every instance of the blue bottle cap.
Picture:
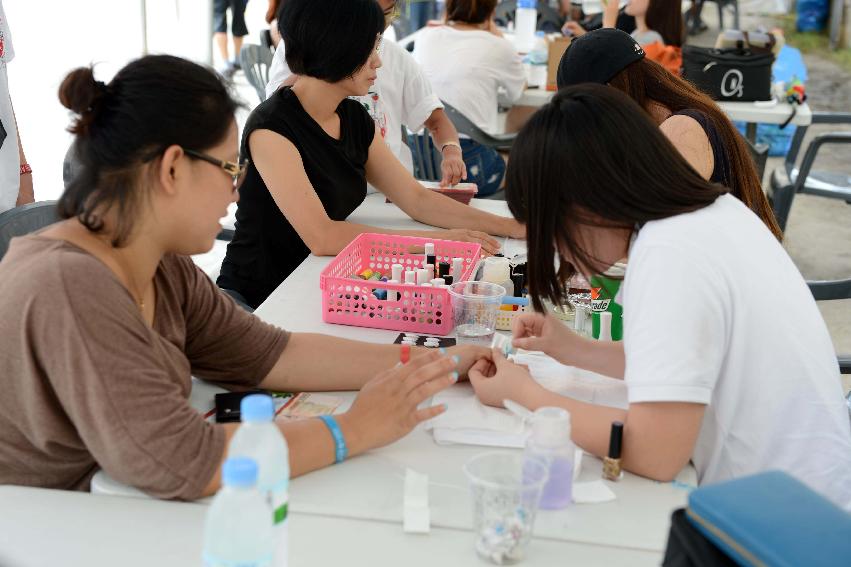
(257, 407)
(240, 472)
(527, 4)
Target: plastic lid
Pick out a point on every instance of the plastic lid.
(410, 276)
(429, 248)
(239, 471)
(257, 407)
(539, 33)
(527, 3)
(550, 426)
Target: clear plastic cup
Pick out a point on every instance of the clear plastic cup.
(474, 308)
(506, 491)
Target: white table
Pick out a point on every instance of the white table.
(752, 113)
(40, 528)
(370, 486)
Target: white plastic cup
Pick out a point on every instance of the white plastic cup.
(506, 491)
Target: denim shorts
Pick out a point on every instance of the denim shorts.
(485, 167)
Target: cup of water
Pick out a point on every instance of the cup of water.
(506, 490)
(474, 309)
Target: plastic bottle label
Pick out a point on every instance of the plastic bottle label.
(279, 502)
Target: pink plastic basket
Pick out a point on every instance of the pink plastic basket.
(349, 301)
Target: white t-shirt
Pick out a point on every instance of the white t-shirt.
(10, 159)
(467, 68)
(400, 96)
(716, 313)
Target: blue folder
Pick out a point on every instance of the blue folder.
(774, 520)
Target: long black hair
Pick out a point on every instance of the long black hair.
(592, 157)
(152, 103)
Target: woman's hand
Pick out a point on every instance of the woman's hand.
(468, 355)
(573, 29)
(453, 167)
(386, 407)
(610, 13)
(500, 379)
(545, 333)
(490, 245)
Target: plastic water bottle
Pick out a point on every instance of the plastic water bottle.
(538, 59)
(260, 439)
(550, 442)
(526, 20)
(237, 530)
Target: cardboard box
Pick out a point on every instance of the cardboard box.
(556, 45)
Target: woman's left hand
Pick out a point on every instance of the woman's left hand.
(453, 168)
(500, 379)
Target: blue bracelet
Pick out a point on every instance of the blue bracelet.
(340, 449)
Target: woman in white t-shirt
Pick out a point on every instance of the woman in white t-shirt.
(726, 359)
(468, 62)
(16, 184)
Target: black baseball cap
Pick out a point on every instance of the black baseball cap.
(596, 57)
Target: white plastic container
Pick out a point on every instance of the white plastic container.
(260, 439)
(498, 270)
(526, 20)
(550, 442)
(237, 530)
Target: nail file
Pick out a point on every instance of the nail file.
(417, 517)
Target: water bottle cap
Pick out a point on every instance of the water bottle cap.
(550, 426)
(539, 33)
(239, 472)
(527, 4)
(257, 407)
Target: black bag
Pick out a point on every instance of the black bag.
(687, 547)
(737, 75)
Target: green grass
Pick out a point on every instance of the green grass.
(814, 43)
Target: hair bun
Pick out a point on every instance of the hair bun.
(80, 92)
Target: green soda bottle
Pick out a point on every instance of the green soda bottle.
(604, 288)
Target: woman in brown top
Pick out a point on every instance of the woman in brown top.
(106, 318)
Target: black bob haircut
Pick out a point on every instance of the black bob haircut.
(329, 40)
(592, 157)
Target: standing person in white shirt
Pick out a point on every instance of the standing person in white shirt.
(402, 95)
(468, 62)
(16, 183)
(726, 358)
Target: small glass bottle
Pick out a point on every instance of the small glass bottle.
(550, 441)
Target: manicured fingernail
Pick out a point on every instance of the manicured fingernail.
(454, 376)
(456, 358)
(442, 350)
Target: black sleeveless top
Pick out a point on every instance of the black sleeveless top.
(266, 248)
(721, 170)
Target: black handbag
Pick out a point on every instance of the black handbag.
(738, 75)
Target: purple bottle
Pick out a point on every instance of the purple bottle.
(550, 441)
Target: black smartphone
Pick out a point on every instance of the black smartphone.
(227, 405)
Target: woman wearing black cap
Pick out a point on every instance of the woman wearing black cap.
(696, 126)
(714, 371)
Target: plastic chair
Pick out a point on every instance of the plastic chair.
(829, 290)
(24, 220)
(465, 126)
(425, 154)
(255, 61)
(787, 181)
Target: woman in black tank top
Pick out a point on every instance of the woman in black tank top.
(311, 151)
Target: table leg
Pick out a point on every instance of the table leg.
(750, 132)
